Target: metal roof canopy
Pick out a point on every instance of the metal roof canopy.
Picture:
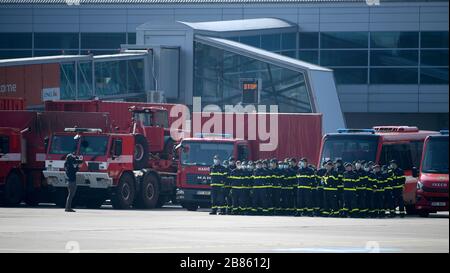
(120, 56)
(45, 60)
(236, 27)
(73, 58)
(260, 54)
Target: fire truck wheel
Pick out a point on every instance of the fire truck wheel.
(13, 190)
(149, 193)
(123, 197)
(141, 152)
(60, 197)
(161, 202)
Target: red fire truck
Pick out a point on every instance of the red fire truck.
(432, 188)
(22, 150)
(380, 145)
(108, 170)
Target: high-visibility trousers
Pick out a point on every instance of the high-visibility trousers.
(287, 199)
(217, 198)
(304, 199)
(260, 199)
(276, 198)
(329, 202)
(389, 200)
(378, 203)
(350, 203)
(398, 200)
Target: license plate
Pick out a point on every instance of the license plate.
(438, 204)
(204, 193)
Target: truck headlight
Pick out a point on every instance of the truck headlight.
(419, 185)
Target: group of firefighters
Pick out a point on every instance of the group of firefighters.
(337, 189)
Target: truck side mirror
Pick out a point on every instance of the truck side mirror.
(46, 142)
(415, 172)
(117, 147)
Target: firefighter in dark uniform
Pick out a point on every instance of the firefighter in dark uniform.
(259, 190)
(340, 169)
(268, 186)
(319, 193)
(361, 188)
(231, 165)
(248, 185)
(218, 175)
(305, 181)
(378, 199)
(290, 184)
(398, 183)
(350, 180)
(330, 188)
(388, 191)
(236, 180)
(371, 186)
(275, 190)
(294, 168)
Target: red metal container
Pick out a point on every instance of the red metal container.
(29, 81)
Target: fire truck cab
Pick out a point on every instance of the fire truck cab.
(195, 160)
(12, 156)
(380, 145)
(432, 188)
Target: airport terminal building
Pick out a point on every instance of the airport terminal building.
(378, 64)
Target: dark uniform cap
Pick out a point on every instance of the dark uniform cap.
(393, 161)
(231, 159)
(304, 159)
(238, 162)
(216, 157)
(329, 162)
(273, 160)
(347, 164)
(376, 166)
(338, 161)
(293, 159)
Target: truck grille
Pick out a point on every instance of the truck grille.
(93, 166)
(437, 199)
(198, 179)
(436, 190)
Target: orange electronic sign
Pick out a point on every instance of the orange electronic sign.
(250, 91)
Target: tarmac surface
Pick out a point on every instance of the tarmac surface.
(172, 229)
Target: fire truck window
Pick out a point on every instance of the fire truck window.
(145, 118)
(349, 149)
(4, 144)
(93, 145)
(400, 152)
(161, 119)
(416, 153)
(63, 145)
(436, 156)
(201, 154)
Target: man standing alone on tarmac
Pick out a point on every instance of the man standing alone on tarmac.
(71, 168)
